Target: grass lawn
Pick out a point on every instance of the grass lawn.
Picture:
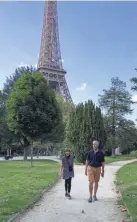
(127, 182)
(109, 159)
(20, 184)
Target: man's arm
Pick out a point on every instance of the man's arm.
(103, 165)
(86, 164)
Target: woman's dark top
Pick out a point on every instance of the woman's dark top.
(68, 167)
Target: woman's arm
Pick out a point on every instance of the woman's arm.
(86, 164)
(61, 168)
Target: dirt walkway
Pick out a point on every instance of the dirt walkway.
(55, 207)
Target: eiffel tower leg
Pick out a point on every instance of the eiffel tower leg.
(65, 90)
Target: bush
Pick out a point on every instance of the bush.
(134, 154)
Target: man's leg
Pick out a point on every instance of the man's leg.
(95, 190)
(90, 190)
(91, 180)
(97, 178)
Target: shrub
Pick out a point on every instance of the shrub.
(134, 154)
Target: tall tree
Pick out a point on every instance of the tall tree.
(32, 109)
(85, 125)
(134, 82)
(116, 102)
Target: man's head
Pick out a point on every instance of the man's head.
(67, 152)
(95, 145)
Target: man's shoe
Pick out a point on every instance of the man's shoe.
(95, 198)
(66, 194)
(90, 200)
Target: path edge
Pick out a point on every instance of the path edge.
(120, 193)
(36, 199)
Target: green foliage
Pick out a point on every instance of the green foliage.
(9, 84)
(116, 101)
(7, 137)
(66, 109)
(85, 125)
(125, 135)
(133, 154)
(134, 82)
(32, 108)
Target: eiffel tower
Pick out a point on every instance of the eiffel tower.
(50, 62)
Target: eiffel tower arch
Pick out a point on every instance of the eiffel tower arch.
(50, 62)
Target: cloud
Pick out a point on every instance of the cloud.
(134, 98)
(82, 87)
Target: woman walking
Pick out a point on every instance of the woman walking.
(67, 171)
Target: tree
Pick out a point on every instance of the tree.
(127, 136)
(32, 109)
(116, 101)
(134, 81)
(7, 89)
(9, 84)
(66, 109)
(85, 125)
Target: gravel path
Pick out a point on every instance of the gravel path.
(55, 207)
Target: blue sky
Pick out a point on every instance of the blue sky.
(98, 41)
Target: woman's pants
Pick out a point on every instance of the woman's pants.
(68, 185)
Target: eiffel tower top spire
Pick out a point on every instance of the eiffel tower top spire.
(50, 56)
(50, 63)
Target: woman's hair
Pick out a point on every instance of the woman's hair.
(67, 150)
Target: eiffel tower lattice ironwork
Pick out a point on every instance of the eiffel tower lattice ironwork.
(50, 62)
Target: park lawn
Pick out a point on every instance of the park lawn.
(20, 184)
(127, 182)
(110, 159)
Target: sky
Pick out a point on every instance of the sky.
(98, 41)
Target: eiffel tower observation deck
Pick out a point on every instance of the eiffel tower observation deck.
(50, 62)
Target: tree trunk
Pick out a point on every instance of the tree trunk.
(113, 152)
(38, 153)
(31, 158)
(25, 153)
(8, 153)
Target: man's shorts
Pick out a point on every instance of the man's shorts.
(93, 174)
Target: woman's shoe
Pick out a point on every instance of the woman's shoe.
(69, 196)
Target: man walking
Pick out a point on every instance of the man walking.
(94, 168)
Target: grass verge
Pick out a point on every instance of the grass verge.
(20, 184)
(127, 183)
(110, 159)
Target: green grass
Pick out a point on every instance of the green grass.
(109, 159)
(117, 158)
(20, 184)
(127, 182)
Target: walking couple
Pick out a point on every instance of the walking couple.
(94, 168)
